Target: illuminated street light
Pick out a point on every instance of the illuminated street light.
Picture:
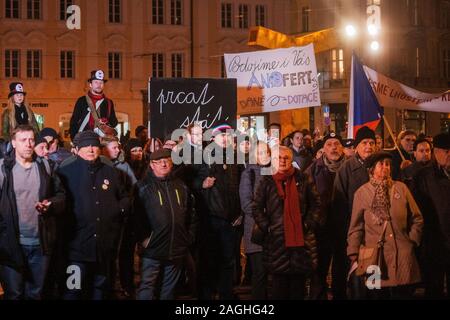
(374, 45)
(373, 30)
(350, 30)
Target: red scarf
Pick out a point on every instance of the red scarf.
(293, 226)
(94, 98)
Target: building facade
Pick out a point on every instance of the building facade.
(130, 40)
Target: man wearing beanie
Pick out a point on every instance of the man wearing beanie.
(351, 175)
(94, 108)
(165, 225)
(323, 171)
(57, 154)
(218, 180)
(431, 189)
(98, 204)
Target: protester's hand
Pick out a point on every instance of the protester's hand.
(208, 182)
(405, 163)
(43, 206)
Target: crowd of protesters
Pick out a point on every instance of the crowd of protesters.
(302, 210)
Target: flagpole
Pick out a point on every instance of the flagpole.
(393, 138)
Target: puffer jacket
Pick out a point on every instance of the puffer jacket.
(268, 214)
(165, 217)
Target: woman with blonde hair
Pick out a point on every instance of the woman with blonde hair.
(17, 111)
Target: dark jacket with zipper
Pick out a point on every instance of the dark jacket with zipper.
(51, 189)
(165, 219)
(222, 199)
(268, 212)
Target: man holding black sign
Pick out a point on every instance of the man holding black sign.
(94, 111)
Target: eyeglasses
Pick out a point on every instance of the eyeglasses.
(162, 161)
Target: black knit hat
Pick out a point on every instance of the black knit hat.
(15, 87)
(442, 141)
(364, 133)
(347, 143)
(332, 135)
(160, 154)
(49, 132)
(132, 143)
(97, 75)
(86, 139)
(372, 160)
(40, 139)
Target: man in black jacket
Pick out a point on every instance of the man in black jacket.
(166, 223)
(431, 189)
(219, 181)
(98, 205)
(82, 118)
(30, 199)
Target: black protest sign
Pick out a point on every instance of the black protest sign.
(177, 102)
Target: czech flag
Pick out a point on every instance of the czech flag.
(364, 109)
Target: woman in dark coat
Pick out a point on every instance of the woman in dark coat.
(287, 210)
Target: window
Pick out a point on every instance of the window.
(243, 16)
(260, 15)
(114, 65)
(337, 64)
(34, 9)
(227, 21)
(63, 4)
(177, 65)
(34, 63)
(114, 11)
(157, 65)
(67, 64)
(446, 63)
(12, 9)
(176, 12)
(305, 19)
(413, 12)
(12, 63)
(158, 11)
(445, 15)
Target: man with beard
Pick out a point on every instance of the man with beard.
(82, 117)
(323, 171)
(351, 175)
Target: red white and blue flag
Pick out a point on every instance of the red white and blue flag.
(364, 109)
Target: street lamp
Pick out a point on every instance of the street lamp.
(374, 45)
(350, 30)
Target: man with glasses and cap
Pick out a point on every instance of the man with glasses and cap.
(83, 117)
(165, 225)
